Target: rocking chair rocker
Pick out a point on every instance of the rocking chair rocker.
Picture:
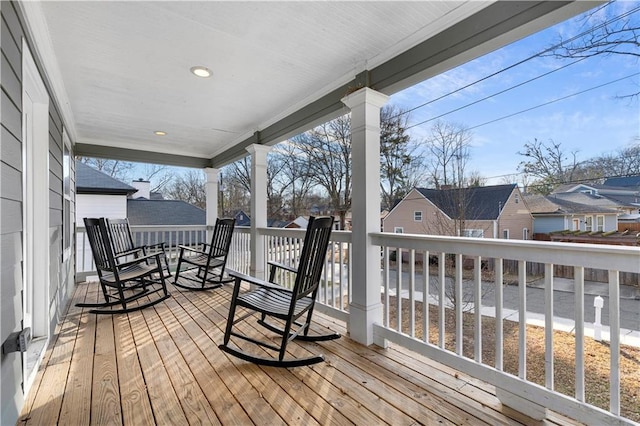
(123, 281)
(210, 264)
(272, 300)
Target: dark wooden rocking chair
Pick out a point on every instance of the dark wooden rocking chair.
(123, 282)
(272, 300)
(123, 245)
(210, 262)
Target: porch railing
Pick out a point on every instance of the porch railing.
(452, 298)
(171, 235)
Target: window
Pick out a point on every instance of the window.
(588, 223)
(517, 198)
(505, 234)
(67, 215)
(417, 216)
(473, 233)
(398, 230)
(525, 233)
(600, 223)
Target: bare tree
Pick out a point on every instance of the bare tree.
(294, 178)
(612, 29)
(549, 163)
(327, 149)
(401, 168)
(449, 145)
(189, 187)
(117, 169)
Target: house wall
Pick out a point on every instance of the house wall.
(545, 224)
(515, 216)
(11, 203)
(99, 205)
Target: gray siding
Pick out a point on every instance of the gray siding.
(11, 205)
(544, 225)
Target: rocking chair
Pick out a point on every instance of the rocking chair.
(210, 264)
(272, 300)
(123, 282)
(123, 245)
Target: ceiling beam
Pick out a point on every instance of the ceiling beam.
(136, 155)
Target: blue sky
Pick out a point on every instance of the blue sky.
(593, 123)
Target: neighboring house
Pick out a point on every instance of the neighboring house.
(570, 211)
(99, 195)
(488, 212)
(242, 219)
(626, 199)
(631, 182)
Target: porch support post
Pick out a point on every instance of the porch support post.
(211, 193)
(365, 308)
(258, 207)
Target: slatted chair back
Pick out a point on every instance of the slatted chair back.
(100, 244)
(120, 233)
(312, 257)
(221, 239)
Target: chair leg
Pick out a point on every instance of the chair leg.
(232, 312)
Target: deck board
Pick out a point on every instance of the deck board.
(162, 366)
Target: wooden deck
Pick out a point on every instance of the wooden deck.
(162, 366)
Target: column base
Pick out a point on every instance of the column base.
(361, 320)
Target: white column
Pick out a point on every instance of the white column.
(258, 207)
(365, 308)
(211, 192)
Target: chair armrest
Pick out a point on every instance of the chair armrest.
(193, 250)
(253, 280)
(160, 245)
(283, 266)
(140, 260)
(129, 252)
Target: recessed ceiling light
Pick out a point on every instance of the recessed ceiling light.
(160, 133)
(199, 71)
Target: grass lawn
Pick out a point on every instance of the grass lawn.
(597, 356)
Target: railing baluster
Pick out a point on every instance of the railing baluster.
(548, 324)
(499, 299)
(441, 298)
(614, 333)
(578, 285)
(459, 302)
(412, 299)
(425, 296)
(385, 282)
(477, 309)
(522, 318)
(399, 288)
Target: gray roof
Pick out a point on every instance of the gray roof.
(553, 204)
(626, 181)
(164, 212)
(481, 203)
(92, 181)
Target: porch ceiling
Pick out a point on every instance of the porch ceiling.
(120, 70)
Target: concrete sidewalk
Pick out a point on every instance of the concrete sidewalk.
(590, 287)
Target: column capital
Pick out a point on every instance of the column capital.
(365, 95)
(212, 174)
(258, 149)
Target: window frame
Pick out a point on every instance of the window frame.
(398, 230)
(600, 223)
(68, 219)
(469, 233)
(505, 234)
(417, 213)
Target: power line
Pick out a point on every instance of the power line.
(527, 59)
(554, 101)
(496, 93)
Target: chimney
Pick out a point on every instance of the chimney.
(143, 187)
